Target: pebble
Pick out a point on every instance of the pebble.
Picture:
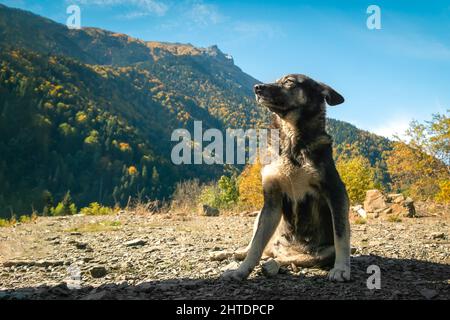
(437, 235)
(98, 272)
(428, 293)
(135, 243)
(270, 268)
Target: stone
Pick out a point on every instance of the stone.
(208, 211)
(231, 266)
(362, 213)
(428, 293)
(135, 243)
(396, 197)
(437, 235)
(374, 201)
(96, 295)
(270, 268)
(49, 263)
(387, 211)
(220, 255)
(98, 272)
(410, 208)
(81, 245)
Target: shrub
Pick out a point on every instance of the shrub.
(222, 195)
(443, 195)
(4, 223)
(394, 218)
(65, 207)
(95, 209)
(186, 194)
(24, 219)
(358, 177)
(250, 187)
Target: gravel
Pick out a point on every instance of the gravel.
(173, 257)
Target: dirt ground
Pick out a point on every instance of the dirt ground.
(168, 257)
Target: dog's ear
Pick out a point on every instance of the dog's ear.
(331, 96)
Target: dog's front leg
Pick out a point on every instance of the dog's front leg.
(338, 203)
(267, 223)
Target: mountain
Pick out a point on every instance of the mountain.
(92, 111)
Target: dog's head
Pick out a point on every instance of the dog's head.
(296, 94)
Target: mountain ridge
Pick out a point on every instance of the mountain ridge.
(96, 110)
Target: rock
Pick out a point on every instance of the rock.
(151, 249)
(220, 255)
(40, 263)
(270, 268)
(249, 213)
(358, 211)
(208, 211)
(437, 235)
(397, 209)
(96, 295)
(374, 201)
(135, 243)
(253, 214)
(98, 272)
(231, 266)
(409, 205)
(145, 287)
(81, 245)
(49, 263)
(362, 213)
(387, 211)
(395, 197)
(428, 293)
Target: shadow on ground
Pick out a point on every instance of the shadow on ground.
(400, 279)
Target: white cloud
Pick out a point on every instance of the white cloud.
(393, 127)
(142, 7)
(204, 14)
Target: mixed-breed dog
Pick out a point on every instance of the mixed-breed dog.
(304, 219)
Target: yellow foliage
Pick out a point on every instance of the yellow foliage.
(414, 171)
(123, 146)
(444, 191)
(81, 117)
(250, 187)
(358, 177)
(132, 170)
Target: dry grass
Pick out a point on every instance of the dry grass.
(97, 227)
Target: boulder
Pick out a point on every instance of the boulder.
(375, 201)
(98, 272)
(410, 208)
(395, 197)
(209, 211)
(270, 268)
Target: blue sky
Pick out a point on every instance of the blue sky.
(388, 76)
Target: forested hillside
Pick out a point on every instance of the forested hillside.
(91, 112)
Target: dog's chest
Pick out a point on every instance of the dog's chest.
(295, 181)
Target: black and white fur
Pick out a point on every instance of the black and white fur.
(304, 219)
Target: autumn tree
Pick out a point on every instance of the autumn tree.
(250, 187)
(419, 164)
(357, 175)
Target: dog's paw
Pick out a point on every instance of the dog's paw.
(340, 273)
(234, 275)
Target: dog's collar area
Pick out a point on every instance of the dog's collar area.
(298, 149)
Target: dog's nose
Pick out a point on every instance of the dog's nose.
(258, 88)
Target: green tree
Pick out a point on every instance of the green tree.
(357, 175)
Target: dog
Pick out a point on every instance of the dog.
(304, 219)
